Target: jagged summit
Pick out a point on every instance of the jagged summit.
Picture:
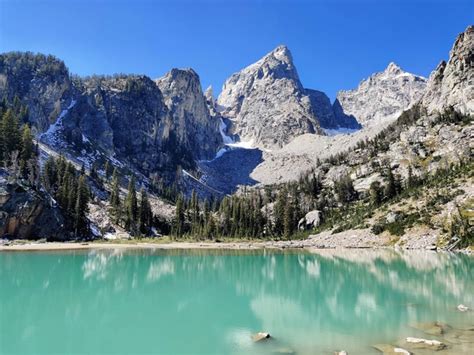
(393, 68)
(267, 103)
(382, 97)
(452, 82)
(282, 53)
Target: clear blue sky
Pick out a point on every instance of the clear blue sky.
(335, 44)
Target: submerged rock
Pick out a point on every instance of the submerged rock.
(432, 328)
(426, 344)
(283, 351)
(260, 336)
(388, 349)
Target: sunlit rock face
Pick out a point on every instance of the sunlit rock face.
(191, 116)
(452, 83)
(148, 126)
(267, 103)
(383, 96)
(41, 82)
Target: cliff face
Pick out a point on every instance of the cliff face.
(452, 83)
(41, 82)
(329, 116)
(267, 103)
(153, 126)
(28, 214)
(192, 120)
(381, 97)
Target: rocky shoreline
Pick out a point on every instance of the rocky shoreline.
(352, 239)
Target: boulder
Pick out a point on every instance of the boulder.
(261, 336)
(311, 220)
(420, 343)
(462, 308)
(392, 217)
(432, 328)
(388, 349)
(28, 214)
(283, 351)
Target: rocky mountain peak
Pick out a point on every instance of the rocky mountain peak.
(266, 102)
(209, 93)
(191, 116)
(283, 54)
(179, 80)
(382, 97)
(393, 68)
(452, 82)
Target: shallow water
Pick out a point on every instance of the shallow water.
(210, 302)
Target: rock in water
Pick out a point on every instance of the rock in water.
(426, 344)
(432, 328)
(260, 336)
(388, 349)
(381, 97)
(463, 308)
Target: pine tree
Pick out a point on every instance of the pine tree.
(131, 207)
(115, 197)
(81, 226)
(194, 206)
(288, 219)
(344, 189)
(178, 227)
(375, 193)
(11, 134)
(279, 211)
(2, 144)
(108, 170)
(26, 149)
(145, 215)
(393, 184)
(411, 179)
(50, 175)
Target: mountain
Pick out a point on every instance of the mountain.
(266, 102)
(41, 82)
(381, 97)
(415, 138)
(328, 115)
(152, 127)
(452, 83)
(191, 116)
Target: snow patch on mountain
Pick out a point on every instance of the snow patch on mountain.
(339, 130)
(50, 136)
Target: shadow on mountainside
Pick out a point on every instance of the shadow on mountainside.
(232, 169)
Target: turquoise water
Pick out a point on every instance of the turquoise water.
(210, 302)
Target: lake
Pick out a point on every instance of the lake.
(211, 302)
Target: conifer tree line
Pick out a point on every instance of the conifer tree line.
(19, 156)
(274, 212)
(132, 213)
(18, 153)
(69, 188)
